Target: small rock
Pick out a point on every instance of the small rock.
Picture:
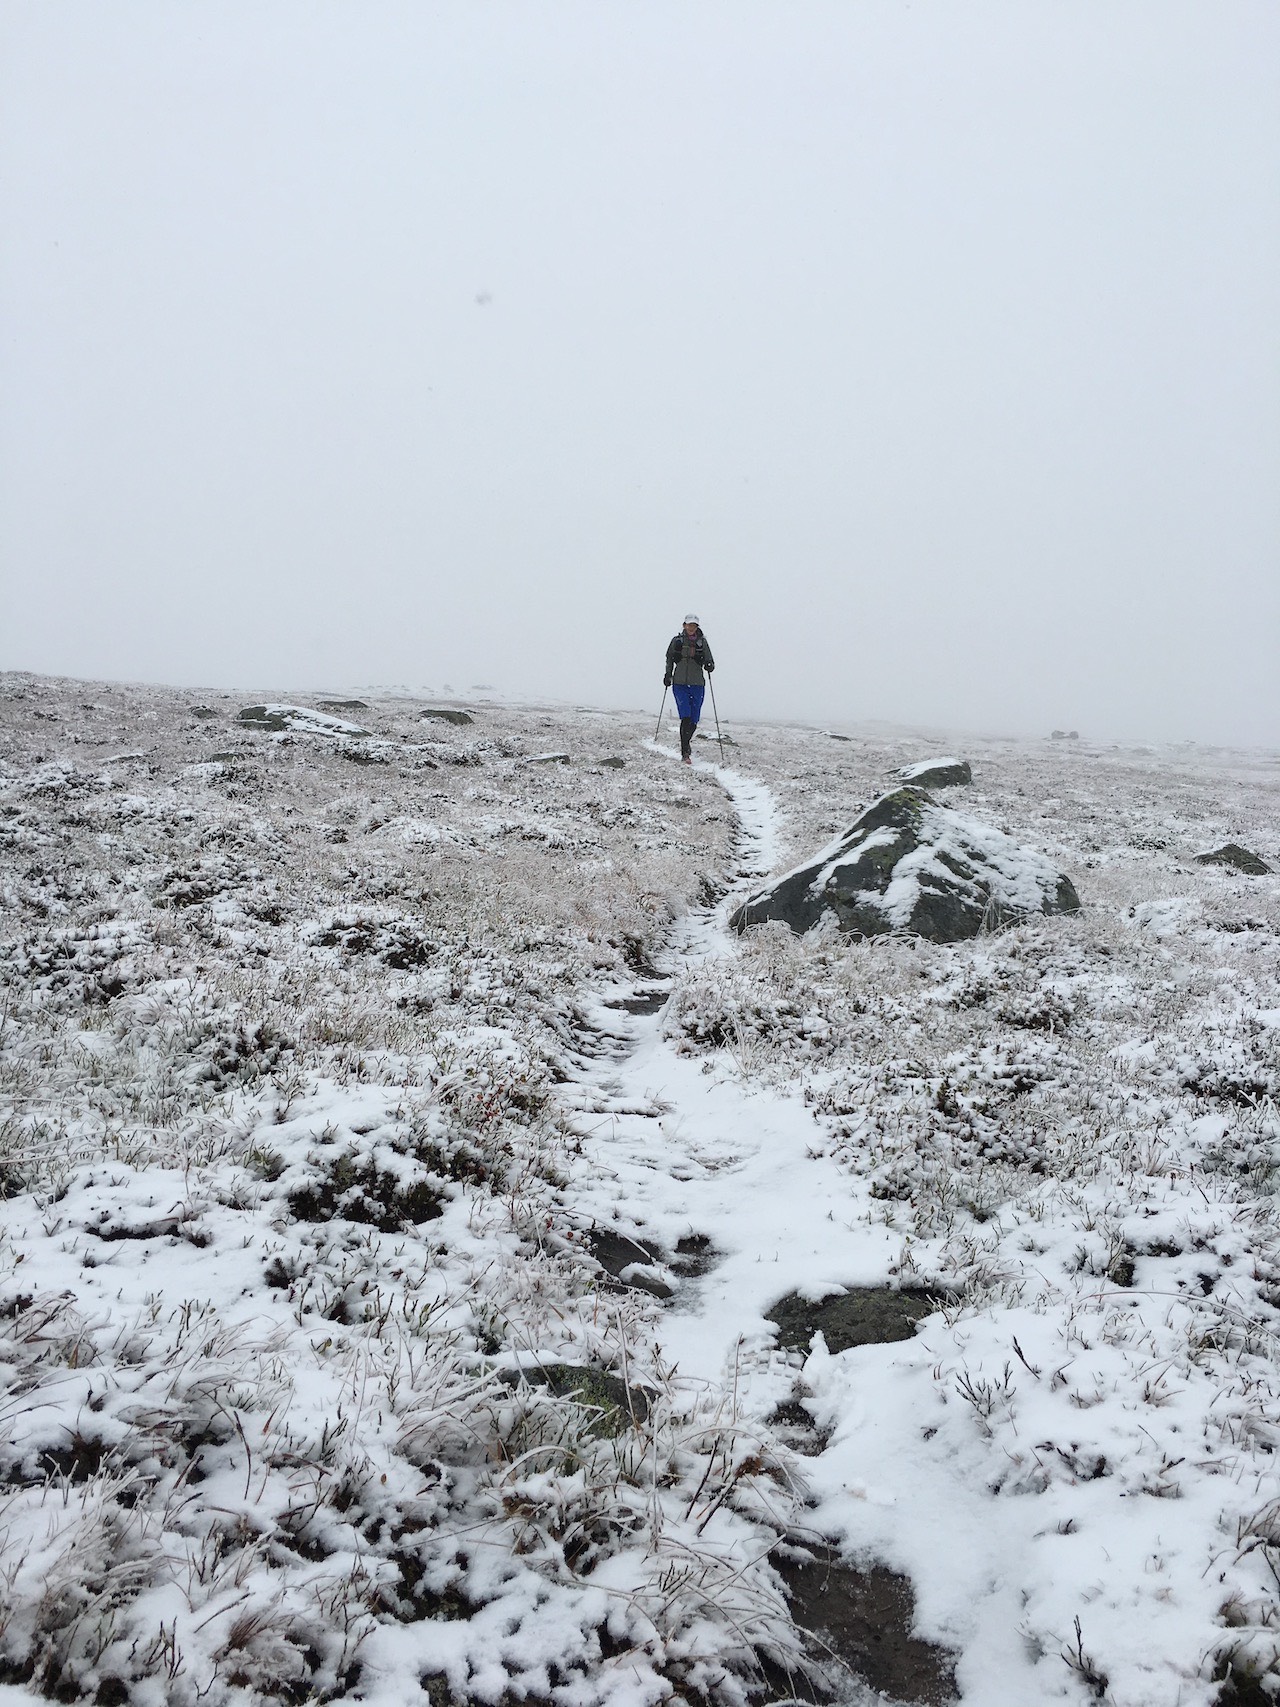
(203, 711)
(341, 705)
(613, 764)
(1241, 859)
(547, 759)
(447, 716)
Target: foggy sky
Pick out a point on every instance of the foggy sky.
(929, 351)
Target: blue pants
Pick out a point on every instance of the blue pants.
(689, 702)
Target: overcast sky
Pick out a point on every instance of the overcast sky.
(929, 351)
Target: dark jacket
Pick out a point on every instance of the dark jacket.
(687, 657)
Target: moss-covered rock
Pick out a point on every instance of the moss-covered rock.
(1240, 859)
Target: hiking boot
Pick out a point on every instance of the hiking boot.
(686, 758)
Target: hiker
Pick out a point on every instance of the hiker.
(688, 656)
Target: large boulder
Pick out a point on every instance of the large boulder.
(937, 773)
(911, 865)
(297, 719)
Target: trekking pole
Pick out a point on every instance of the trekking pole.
(661, 709)
(716, 715)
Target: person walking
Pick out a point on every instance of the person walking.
(689, 663)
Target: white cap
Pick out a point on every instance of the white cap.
(691, 619)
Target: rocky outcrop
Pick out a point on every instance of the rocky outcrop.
(911, 865)
(297, 720)
(937, 773)
(1241, 859)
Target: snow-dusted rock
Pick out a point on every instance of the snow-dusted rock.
(444, 714)
(937, 773)
(909, 864)
(297, 719)
(1242, 859)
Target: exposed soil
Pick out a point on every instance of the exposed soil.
(794, 1427)
(862, 1620)
(645, 1002)
(695, 1255)
(864, 1315)
(616, 1253)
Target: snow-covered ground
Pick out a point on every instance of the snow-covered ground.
(345, 1066)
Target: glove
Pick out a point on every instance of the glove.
(711, 669)
(666, 681)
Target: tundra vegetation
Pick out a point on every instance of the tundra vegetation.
(315, 1385)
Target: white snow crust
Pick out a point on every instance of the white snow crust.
(1019, 878)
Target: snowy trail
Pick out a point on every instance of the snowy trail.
(686, 1147)
(681, 1147)
(686, 1151)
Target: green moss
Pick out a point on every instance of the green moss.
(618, 1406)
